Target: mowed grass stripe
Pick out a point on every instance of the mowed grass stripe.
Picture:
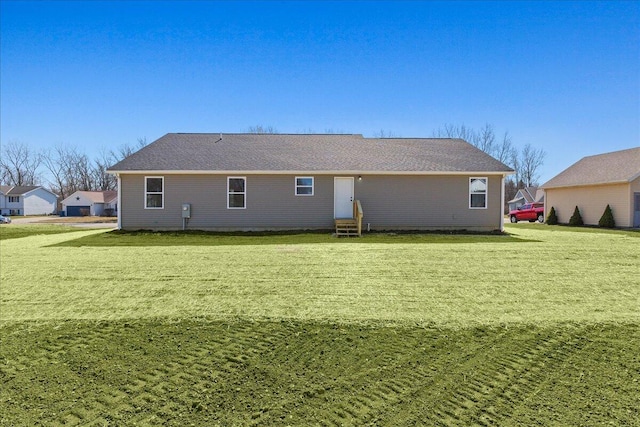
(545, 277)
(222, 373)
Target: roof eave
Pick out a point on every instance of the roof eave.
(588, 184)
(299, 172)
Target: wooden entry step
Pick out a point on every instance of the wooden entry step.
(347, 227)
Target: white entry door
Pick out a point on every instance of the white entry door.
(343, 197)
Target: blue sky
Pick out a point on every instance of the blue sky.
(563, 76)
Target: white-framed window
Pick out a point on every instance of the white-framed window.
(236, 192)
(154, 192)
(478, 192)
(14, 199)
(304, 186)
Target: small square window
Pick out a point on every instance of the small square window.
(304, 186)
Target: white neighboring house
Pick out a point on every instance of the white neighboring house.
(91, 203)
(27, 200)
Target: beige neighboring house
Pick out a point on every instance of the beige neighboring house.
(91, 203)
(595, 182)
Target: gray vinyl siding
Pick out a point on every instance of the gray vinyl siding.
(389, 202)
(270, 203)
(423, 202)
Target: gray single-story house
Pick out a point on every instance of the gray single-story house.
(306, 181)
(593, 183)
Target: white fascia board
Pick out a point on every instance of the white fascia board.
(39, 188)
(590, 184)
(119, 207)
(305, 172)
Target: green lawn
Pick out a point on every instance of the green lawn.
(13, 231)
(538, 327)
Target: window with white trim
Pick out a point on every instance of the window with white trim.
(304, 186)
(478, 193)
(14, 199)
(236, 192)
(154, 192)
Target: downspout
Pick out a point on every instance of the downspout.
(501, 205)
(119, 207)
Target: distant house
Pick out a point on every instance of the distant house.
(27, 200)
(280, 181)
(595, 182)
(91, 203)
(526, 195)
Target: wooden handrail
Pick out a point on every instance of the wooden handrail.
(358, 213)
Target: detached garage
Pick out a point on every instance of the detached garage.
(91, 203)
(593, 183)
(78, 210)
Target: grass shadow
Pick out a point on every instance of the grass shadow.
(145, 238)
(631, 232)
(19, 231)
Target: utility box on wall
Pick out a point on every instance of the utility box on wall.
(186, 210)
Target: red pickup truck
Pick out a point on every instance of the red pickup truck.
(528, 212)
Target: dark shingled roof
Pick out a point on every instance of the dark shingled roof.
(286, 152)
(609, 168)
(21, 189)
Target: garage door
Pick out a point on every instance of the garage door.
(77, 210)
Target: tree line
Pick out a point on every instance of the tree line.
(526, 162)
(63, 169)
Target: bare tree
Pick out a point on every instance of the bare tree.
(103, 181)
(127, 149)
(504, 151)
(19, 164)
(385, 134)
(64, 164)
(70, 170)
(516, 165)
(485, 139)
(525, 162)
(531, 159)
(510, 190)
(54, 160)
(455, 131)
(262, 129)
(84, 173)
(4, 174)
